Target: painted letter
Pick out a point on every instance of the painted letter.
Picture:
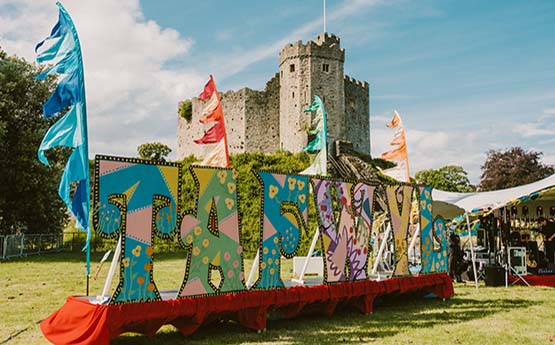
(283, 217)
(137, 200)
(344, 240)
(212, 235)
(432, 235)
(399, 204)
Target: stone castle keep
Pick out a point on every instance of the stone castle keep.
(273, 119)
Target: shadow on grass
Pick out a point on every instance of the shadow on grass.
(345, 326)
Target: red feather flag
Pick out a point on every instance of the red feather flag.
(212, 112)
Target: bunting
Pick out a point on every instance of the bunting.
(64, 51)
(212, 112)
(319, 143)
(399, 153)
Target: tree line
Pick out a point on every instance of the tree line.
(501, 169)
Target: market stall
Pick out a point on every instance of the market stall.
(510, 233)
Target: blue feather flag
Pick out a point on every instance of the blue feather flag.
(63, 50)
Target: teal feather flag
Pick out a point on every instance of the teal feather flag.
(63, 50)
(319, 143)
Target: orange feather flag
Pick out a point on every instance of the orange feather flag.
(399, 153)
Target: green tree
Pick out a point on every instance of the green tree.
(511, 168)
(29, 198)
(450, 178)
(154, 151)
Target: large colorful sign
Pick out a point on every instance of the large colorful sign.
(138, 200)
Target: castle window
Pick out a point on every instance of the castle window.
(325, 67)
(292, 68)
(293, 95)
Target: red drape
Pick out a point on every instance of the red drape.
(79, 322)
(546, 280)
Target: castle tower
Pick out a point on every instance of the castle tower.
(273, 118)
(314, 68)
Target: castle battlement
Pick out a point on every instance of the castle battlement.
(326, 39)
(360, 83)
(324, 46)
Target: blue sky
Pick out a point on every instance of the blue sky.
(466, 76)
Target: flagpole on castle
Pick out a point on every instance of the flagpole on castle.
(324, 16)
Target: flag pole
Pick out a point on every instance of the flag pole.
(223, 123)
(408, 168)
(406, 151)
(225, 131)
(324, 16)
(84, 147)
(325, 173)
(85, 136)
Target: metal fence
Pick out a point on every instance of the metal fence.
(29, 244)
(34, 244)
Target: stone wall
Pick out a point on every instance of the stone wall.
(357, 114)
(262, 118)
(234, 108)
(187, 131)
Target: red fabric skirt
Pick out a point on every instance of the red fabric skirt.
(546, 280)
(80, 322)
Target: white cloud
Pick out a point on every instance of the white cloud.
(548, 159)
(432, 149)
(533, 129)
(132, 98)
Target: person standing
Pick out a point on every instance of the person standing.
(455, 256)
(548, 232)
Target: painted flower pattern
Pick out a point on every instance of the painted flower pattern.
(137, 251)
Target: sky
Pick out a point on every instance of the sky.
(465, 76)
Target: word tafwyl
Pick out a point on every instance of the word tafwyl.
(139, 201)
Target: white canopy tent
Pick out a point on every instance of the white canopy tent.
(450, 204)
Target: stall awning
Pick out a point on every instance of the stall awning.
(450, 204)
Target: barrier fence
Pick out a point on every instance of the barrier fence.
(34, 244)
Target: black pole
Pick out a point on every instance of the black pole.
(87, 284)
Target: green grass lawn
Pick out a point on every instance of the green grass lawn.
(34, 287)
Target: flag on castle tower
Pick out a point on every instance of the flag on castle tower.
(212, 112)
(399, 153)
(319, 143)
